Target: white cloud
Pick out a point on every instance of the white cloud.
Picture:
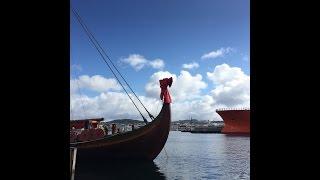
(115, 105)
(138, 62)
(218, 53)
(231, 89)
(185, 86)
(157, 63)
(190, 65)
(202, 108)
(111, 105)
(232, 86)
(94, 83)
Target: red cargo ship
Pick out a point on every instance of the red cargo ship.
(236, 121)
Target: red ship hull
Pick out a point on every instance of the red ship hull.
(235, 121)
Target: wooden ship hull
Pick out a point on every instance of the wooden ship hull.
(143, 144)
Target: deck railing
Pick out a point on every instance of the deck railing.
(233, 109)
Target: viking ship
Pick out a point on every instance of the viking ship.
(144, 143)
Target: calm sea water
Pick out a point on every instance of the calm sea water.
(185, 156)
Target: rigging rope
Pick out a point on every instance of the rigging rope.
(103, 51)
(95, 45)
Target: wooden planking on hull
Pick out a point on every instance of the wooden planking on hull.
(144, 143)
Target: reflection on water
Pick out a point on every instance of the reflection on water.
(205, 156)
(118, 170)
(185, 156)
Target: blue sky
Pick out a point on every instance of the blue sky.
(176, 31)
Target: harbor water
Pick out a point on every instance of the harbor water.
(185, 156)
